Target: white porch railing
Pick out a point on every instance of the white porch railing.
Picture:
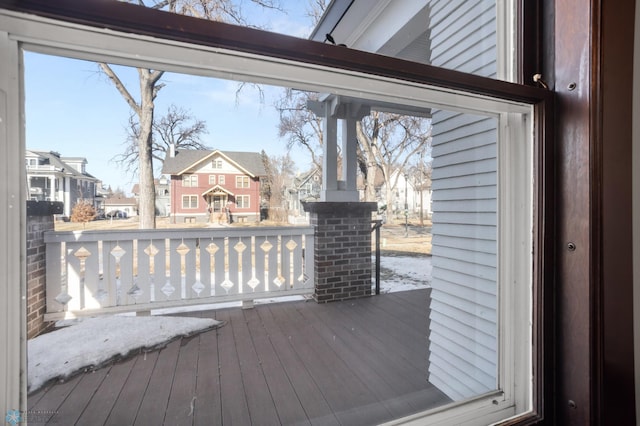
(94, 272)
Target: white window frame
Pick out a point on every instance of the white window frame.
(189, 197)
(188, 181)
(18, 31)
(243, 205)
(241, 180)
(221, 179)
(212, 179)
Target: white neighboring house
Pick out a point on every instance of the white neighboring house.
(306, 187)
(51, 177)
(163, 195)
(126, 205)
(416, 195)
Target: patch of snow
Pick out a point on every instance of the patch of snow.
(95, 341)
(402, 273)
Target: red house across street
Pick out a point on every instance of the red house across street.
(214, 186)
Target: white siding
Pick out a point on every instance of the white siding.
(463, 338)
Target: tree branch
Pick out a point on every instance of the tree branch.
(120, 86)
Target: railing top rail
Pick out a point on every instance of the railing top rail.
(174, 233)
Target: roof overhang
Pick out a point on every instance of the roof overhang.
(217, 190)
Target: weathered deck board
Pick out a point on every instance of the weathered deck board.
(259, 400)
(235, 410)
(75, 404)
(54, 395)
(154, 403)
(183, 390)
(286, 402)
(127, 405)
(307, 391)
(208, 403)
(360, 361)
(99, 408)
(352, 363)
(370, 353)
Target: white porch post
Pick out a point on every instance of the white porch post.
(330, 158)
(332, 108)
(350, 149)
(51, 188)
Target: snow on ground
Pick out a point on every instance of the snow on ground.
(96, 341)
(402, 273)
(92, 342)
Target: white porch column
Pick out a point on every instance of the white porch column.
(330, 157)
(332, 108)
(350, 149)
(51, 187)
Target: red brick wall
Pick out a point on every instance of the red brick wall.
(36, 274)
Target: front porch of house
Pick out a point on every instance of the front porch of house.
(361, 361)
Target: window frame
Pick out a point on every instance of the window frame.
(212, 179)
(190, 197)
(242, 205)
(188, 181)
(253, 46)
(243, 182)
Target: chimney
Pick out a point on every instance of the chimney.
(172, 150)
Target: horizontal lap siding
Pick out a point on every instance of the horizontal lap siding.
(464, 255)
(463, 340)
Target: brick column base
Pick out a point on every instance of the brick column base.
(39, 221)
(342, 249)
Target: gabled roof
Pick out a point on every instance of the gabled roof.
(54, 159)
(304, 178)
(217, 189)
(120, 201)
(185, 160)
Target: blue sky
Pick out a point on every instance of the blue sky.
(74, 109)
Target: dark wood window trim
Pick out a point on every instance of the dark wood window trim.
(588, 54)
(129, 18)
(140, 20)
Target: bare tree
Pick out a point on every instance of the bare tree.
(420, 170)
(388, 142)
(279, 177)
(116, 193)
(150, 85)
(298, 125)
(177, 127)
(316, 9)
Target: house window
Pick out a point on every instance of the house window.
(504, 111)
(242, 201)
(212, 179)
(216, 164)
(189, 201)
(242, 181)
(221, 179)
(190, 180)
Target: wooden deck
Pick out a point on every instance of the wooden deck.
(359, 362)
